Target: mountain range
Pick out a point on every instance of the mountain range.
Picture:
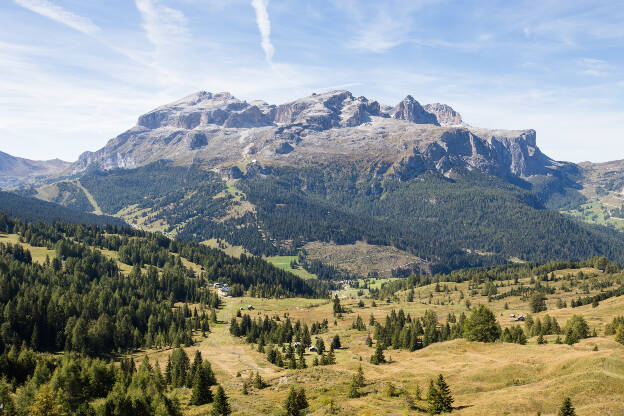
(331, 174)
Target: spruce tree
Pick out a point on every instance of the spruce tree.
(434, 400)
(446, 398)
(291, 403)
(566, 408)
(201, 388)
(335, 344)
(295, 402)
(221, 407)
(619, 334)
(302, 400)
(258, 382)
(354, 392)
(359, 377)
(378, 357)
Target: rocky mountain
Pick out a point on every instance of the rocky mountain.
(219, 130)
(15, 171)
(349, 182)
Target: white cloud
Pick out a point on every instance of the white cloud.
(165, 27)
(264, 26)
(60, 15)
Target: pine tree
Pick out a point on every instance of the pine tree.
(258, 382)
(434, 400)
(244, 389)
(331, 357)
(619, 334)
(302, 400)
(335, 344)
(221, 407)
(566, 408)
(201, 388)
(446, 399)
(291, 403)
(378, 357)
(354, 392)
(295, 402)
(359, 377)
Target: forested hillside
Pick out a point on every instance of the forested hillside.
(465, 219)
(33, 209)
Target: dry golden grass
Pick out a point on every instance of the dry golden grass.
(486, 379)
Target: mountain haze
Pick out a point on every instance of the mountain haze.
(16, 170)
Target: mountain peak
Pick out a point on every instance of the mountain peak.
(445, 114)
(410, 110)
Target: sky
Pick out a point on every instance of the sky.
(75, 73)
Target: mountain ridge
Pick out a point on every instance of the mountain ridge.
(15, 170)
(219, 131)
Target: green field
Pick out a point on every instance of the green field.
(596, 213)
(283, 262)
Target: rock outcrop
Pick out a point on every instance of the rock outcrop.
(220, 131)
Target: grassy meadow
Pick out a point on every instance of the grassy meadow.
(497, 378)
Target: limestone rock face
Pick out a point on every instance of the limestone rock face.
(409, 109)
(219, 131)
(445, 115)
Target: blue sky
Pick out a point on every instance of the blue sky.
(75, 73)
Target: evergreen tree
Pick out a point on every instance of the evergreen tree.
(291, 403)
(46, 404)
(378, 357)
(258, 382)
(201, 388)
(566, 408)
(335, 344)
(302, 400)
(220, 407)
(434, 400)
(295, 402)
(446, 398)
(619, 334)
(482, 326)
(354, 392)
(359, 377)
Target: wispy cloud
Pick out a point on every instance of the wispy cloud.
(60, 15)
(595, 67)
(264, 26)
(164, 26)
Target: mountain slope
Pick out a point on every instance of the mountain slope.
(15, 171)
(339, 169)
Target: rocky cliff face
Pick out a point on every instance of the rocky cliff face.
(220, 131)
(15, 171)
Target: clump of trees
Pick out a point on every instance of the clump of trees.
(67, 385)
